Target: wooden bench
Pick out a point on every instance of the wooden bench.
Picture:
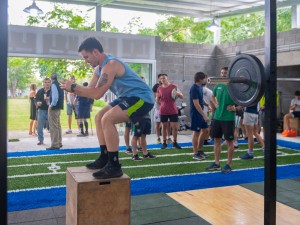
(92, 201)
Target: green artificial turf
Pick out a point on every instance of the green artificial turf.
(33, 172)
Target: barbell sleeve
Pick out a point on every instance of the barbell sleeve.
(226, 81)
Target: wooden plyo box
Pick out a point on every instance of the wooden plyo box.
(92, 201)
(295, 125)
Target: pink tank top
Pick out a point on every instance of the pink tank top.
(168, 104)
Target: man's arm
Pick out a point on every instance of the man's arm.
(54, 96)
(108, 74)
(95, 78)
(199, 109)
(214, 101)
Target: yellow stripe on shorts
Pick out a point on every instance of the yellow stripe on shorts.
(135, 107)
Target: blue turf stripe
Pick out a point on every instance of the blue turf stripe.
(289, 144)
(282, 143)
(80, 150)
(33, 199)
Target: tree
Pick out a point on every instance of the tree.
(180, 29)
(234, 28)
(252, 25)
(63, 17)
(20, 73)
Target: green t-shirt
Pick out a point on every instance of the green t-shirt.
(224, 99)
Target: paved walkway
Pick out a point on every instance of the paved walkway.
(28, 143)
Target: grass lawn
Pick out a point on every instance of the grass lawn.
(19, 112)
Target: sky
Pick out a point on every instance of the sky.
(16, 16)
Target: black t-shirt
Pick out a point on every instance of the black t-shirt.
(40, 98)
(154, 88)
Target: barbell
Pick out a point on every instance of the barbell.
(245, 81)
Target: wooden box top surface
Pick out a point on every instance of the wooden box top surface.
(83, 174)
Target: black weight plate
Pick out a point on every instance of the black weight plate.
(251, 68)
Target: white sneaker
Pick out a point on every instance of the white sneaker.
(69, 131)
(224, 143)
(235, 144)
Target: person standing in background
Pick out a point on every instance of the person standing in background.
(207, 95)
(55, 105)
(251, 124)
(42, 99)
(84, 108)
(71, 107)
(198, 118)
(33, 118)
(156, 115)
(168, 109)
(224, 123)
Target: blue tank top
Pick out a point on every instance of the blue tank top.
(129, 84)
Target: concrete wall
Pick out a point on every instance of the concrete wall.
(181, 61)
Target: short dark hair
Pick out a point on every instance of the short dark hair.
(199, 76)
(53, 76)
(90, 44)
(162, 74)
(47, 78)
(224, 68)
(297, 93)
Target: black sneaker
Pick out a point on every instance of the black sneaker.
(176, 145)
(205, 142)
(202, 153)
(97, 164)
(109, 171)
(149, 156)
(129, 151)
(213, 166)
(81, 135)
(86, 133)
(164, 146)
(198, 156)
(140, 149)
(136, 158)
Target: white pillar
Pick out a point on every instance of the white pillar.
(295, 9)
(217, 33)
(98, 17)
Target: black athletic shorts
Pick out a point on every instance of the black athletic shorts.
(143, 127)
(226, 128)
(171, 118)
(128, 124)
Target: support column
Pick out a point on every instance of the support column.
(98, 9)
(270, 113)
(217, 33)
(3, 110)
(295, 16)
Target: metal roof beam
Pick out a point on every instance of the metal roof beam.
(258, 9)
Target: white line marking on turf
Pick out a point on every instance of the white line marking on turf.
(151, 177)
(127, 158)
(54, 167)
(36, 189)
(145, 166)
